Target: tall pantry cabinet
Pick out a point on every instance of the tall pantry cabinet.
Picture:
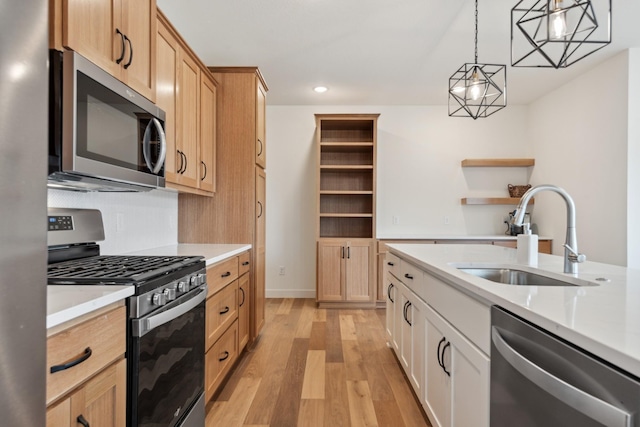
(236, 213)
(346, 209)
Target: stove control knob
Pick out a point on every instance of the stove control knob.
(183, 286)
(170, 294)
(202, 278)
(159, 299)
(194, 281)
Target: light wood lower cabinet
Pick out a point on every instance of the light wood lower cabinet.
(227, 318)
(93, 390)
(345, 271)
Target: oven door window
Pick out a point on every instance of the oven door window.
(110, 129)
(168, 375)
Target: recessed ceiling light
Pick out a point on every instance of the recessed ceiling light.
(321, 89)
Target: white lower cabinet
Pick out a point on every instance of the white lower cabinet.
(448, 372)
(456, 391)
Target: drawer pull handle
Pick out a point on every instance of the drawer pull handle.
(390, 264)
(245, 263)
(225, 311)
(225, 357)
(408, 276)
(83, 421)
(227, 274)
(85, 356)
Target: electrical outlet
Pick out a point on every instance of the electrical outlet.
(446, 220)
(282, 270)
(395, 220)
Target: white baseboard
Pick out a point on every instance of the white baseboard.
(290, 293)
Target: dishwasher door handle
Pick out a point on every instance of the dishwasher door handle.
(596, 409)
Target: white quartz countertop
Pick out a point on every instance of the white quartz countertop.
(67, 302)
(451, 237)
(602, 319)
(212, 252)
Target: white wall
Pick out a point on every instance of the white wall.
(633, 171)
(148, 219)
(419, 179)
(579, 136)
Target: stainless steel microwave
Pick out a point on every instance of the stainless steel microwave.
(103, 135)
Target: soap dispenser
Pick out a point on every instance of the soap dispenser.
(527, 247)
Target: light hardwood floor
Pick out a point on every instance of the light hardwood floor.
(317, 367)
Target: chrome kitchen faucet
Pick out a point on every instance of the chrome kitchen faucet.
(571, 255)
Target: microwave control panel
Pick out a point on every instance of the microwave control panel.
(60, 222)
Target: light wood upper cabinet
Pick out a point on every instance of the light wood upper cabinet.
(261, 136)
(207, 144)
(187, 93)
(117, 35)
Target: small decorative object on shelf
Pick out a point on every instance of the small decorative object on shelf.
(517, 190)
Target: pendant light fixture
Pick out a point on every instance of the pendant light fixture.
(558, 33)
(477, 90)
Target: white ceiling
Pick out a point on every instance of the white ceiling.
(372, 52)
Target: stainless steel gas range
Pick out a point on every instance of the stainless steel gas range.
(166, 317)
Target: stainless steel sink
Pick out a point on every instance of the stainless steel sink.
(512, 276)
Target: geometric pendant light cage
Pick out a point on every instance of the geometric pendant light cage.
(558, 33)
(477, 90)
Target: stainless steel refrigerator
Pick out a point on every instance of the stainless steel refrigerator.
(23, 204)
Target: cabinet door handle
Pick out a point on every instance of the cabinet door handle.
(404, 311)
(260, 204)
(225, 311)
(181, 161)
(440, 362)
(130, 52)
(260, 152)
(408, 276)
(342, 252)
(389, 292)
(83, 421)
(121, 57)
(87, 354)
(448, 344)
(205, 170)
(390, 264)
(406, 316)
(348, 252)
(243, 297)
(227, 274)
(244, 264)
(185, 162)
(225, 357)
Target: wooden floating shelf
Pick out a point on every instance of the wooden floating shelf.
(492, 201)
(498, 162)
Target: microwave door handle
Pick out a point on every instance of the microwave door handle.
(146, 146)
(594, 408)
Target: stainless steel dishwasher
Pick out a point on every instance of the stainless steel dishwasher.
(537, 379)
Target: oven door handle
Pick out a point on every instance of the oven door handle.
(594, 408)
(143, 326)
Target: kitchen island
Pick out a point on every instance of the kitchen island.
(603, 319)
(439, 319)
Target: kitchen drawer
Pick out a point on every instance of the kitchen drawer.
(219, 359)
(392, 264)
(222, 310)
(221, 274)
(469, 316)
(411, 276)
(244, 261)
(104, 336)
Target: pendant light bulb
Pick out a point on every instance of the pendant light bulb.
(475, 89)
(558, 27)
